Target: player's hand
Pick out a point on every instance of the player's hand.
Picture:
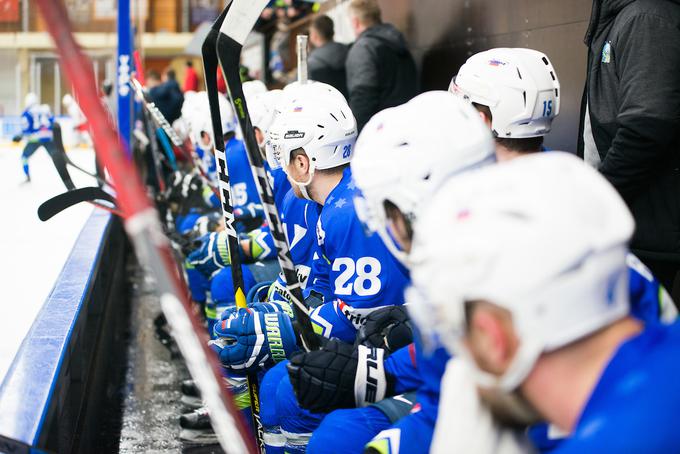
(388, 328)
(212, 254)
(336, 377)
(249, 340)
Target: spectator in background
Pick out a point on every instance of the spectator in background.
(381, 72)
(327, 60)
(166, 95)
(631, 120)
(190, 78)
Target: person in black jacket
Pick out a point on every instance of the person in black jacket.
(381, 72)
(327, 61)
(166, 95)
(630, 126)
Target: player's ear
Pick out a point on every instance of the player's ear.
(301, 161)
(484, 118)
(490, 339)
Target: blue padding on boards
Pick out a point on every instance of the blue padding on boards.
(27, 389)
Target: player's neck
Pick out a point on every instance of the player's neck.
(562, 381)
(505, 154)
(323, 185)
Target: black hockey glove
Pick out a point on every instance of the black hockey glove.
(339, 376)
(17, 138)
(388, 328)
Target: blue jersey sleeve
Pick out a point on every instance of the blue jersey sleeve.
(27, 123)
(402, 366)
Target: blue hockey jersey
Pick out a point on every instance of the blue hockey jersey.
(36, 124)
(649, 303)
(299, 218)
(634, 404)
(358, 271)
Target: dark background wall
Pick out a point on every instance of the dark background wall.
(444, 33)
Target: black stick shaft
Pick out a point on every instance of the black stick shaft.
(210, 64)
(229, 53)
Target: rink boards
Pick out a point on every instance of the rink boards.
(55, 391)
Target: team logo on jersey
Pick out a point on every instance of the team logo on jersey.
(496, 62)
(320, 233)
(294, 134)
(607, 52)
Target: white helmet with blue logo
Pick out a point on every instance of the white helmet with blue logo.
(322, 124)
(519, 86)
(405, 153)
(544, 237)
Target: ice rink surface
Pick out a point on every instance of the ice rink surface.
(33, 252)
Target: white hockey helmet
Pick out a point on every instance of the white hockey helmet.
(197, 115)
(544, 237)
(321, 124)
(519, 86)
(290, 91)
(253, 87)
(67, 100)
(261, 108)
(404, 153)
(30, 100)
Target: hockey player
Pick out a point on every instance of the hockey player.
(402, 156)
(313, 139)
(36, 128)
(80, 127)
(517, 93)
(392, 191)
(547, 328)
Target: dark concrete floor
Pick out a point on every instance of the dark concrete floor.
(151, 402)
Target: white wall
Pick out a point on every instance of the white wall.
(8, 87)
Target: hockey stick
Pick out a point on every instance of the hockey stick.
(51, 207)
(59, 143)
(58, 157)
(170, 133)
(150, 244)
(237, 25)
(157, 118)
(209, 52)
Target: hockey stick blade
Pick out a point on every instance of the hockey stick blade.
(51, 207)
(236, 26)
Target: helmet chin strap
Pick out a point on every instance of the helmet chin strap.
(303, 186)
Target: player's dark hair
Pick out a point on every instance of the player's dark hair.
(324, 26)
(527, 145)
(393, 212)
(190, 64)
(332, 171)
(170, 74)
